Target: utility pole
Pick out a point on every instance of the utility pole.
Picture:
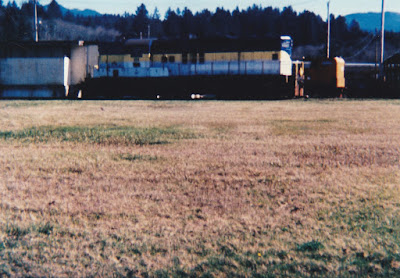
(328, 41)
(36, 23)
(383, 32)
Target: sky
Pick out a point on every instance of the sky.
(337, 7)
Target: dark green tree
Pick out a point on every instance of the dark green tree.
(311, 29)
(354, 27)
(221, 21)
(69, 16)
(54, 10)
(187, 23)
(2, 21)
(289, 21)
(156, 26)
(306, 28)
(141, 20)
(203, 25)
(172, 24)
(11, 22)
(156, 14)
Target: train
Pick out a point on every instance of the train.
(213, 68)
(220, 68)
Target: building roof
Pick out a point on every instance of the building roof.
(215, 45)
(26, 49)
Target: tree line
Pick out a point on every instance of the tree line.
(308, 30)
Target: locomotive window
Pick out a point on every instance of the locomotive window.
(164, 59)
(136, 62)
(184, 58)
(201, 58)
(274, 56)
(193, 58)
(171, 59)
(115, 73)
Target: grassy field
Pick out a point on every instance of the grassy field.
(199, 189)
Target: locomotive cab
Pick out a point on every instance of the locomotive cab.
(287, 44)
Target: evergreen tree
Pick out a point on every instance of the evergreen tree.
(156, 14)
(354, 27)
(172, 24)
(54, 10)
(11, 22)
(69, 16)
(306, 28)
(289, 21)
(203, 24)
(221, 21)
(187, 23)
(156, 27)
(2, 22)
(141, 20)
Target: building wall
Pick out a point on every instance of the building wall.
(46, 71)
(33, 92)
(82, 62)
(32, 71)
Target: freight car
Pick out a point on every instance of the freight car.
(222, 68)
(326, 78)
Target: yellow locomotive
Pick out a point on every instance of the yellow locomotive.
(224, 68)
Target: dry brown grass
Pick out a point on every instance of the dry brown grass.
(287, 188)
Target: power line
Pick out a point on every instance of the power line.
(363, 48)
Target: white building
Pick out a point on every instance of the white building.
(45, 69)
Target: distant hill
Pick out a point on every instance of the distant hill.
(77, 12)
(372, 21)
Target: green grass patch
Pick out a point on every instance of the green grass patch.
(311, 246)
(136, 157)
(375, 227)
(371, 219)
(100, 134)
(46, 228)
(16, 231)
(2, 246)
